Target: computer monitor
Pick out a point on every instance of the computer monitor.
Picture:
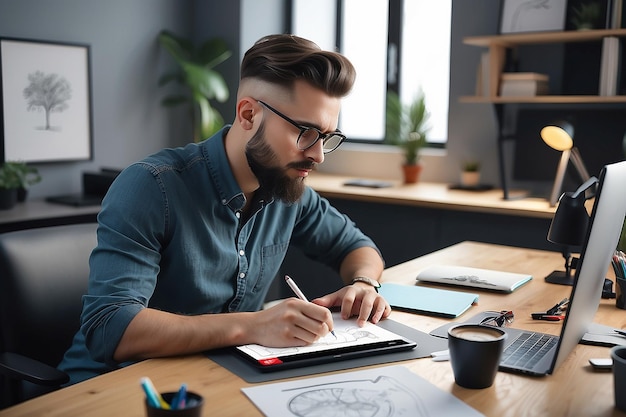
(607, 218)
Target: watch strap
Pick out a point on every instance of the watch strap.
(368, 281)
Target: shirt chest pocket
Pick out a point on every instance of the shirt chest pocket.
(270, 261)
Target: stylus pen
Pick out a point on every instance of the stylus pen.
(299, 293)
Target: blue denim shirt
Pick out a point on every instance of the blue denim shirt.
(171, 237)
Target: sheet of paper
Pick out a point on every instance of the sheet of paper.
(348, 334)
(391, 391)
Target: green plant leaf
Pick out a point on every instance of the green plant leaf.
(213, 52)
(202, 82)
(181, 49)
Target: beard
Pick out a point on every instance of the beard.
(273, 179)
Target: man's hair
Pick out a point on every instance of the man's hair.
(283, 59)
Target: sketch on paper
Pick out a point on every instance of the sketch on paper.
(48, 93)
(45, 90)
(392, 391)
(381, 397)
(348, 334)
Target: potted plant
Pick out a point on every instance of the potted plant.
(406, 127)
(195, 72)
(13, 177)
(470, 174)
(586, 15)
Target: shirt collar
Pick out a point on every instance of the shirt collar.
(221, 172)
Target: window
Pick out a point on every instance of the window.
(410, 53)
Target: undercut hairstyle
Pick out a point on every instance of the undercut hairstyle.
(284, 59)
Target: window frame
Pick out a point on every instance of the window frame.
(394, 39)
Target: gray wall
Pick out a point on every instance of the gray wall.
(129, 123)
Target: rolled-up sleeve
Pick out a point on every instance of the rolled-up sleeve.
(125, 264)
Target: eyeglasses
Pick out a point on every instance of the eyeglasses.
(310, 135)
(498, 318)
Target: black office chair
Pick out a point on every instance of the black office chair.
(44, 274)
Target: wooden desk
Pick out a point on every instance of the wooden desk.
(573, 390)
(40, 213)
(432, 195)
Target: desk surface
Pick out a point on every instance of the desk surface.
(433, 195)
(573, 390)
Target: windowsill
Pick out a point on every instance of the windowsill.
(374, 161)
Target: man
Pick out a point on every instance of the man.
(190, 239)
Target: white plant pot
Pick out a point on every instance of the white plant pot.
(470, 179)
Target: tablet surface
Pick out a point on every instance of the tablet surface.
(351, 341)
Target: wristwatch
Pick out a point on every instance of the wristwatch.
(368, 281)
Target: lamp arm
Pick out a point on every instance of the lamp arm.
(583, 187)
(577, 160)
(560, 175)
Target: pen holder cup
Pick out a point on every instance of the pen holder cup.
(620, 293)
(193, 407)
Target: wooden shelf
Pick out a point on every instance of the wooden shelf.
(510, 40)
(491, 72)
(498, 44)
(545, 99)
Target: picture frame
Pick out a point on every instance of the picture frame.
(519, 16)
(45, 106)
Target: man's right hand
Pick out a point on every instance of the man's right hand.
(292, 322)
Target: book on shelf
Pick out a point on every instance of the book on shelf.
(609, 66)
(523, 84)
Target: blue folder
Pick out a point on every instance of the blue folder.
(428, 301)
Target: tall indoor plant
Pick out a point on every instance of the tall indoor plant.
(407, 128)
(196, 72)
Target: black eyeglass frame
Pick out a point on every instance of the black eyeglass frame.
(303, 129)
(499, 319)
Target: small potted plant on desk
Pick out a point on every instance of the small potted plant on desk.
(15, 178)
(470, 174)
(406, 127)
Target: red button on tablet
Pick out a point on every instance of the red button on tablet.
(270, 361)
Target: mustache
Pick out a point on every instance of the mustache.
(302, 165)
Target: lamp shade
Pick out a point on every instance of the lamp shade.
(570, 221)
(558, 136)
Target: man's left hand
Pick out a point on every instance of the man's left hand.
(357, 299)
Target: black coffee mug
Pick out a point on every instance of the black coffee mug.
(475, 352)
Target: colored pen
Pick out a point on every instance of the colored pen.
(558, 306)
(179, 400)
(153, 396)
(300, 294)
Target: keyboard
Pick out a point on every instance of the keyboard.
(527, 349)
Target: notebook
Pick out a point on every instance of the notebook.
(473, 277)
(429, 301)
(545, 352)
(350, 341)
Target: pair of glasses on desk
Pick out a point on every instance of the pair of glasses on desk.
(502, 318)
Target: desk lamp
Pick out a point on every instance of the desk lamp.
(569, 228)
(559, 136)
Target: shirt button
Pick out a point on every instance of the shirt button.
(242, 252)
(242, 275)
(237, 214)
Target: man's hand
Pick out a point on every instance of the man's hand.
(358, 299)
(293, 322)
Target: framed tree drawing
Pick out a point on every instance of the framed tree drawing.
(46, 101)
(532, 15)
